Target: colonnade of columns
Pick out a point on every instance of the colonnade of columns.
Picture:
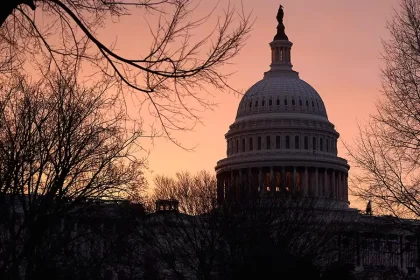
(309, 181)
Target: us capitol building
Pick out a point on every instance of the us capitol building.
(281, 140)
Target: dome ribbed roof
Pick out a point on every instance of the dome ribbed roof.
(281, 93)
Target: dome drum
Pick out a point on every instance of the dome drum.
(282, 141)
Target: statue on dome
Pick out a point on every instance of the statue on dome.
(280, 14)
(281, 35)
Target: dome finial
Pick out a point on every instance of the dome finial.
(281, 35)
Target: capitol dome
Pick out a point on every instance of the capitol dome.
(281, 141)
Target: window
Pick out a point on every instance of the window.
(293, 102)
(278, 102)
(259, 143)
(251, 144)
(313, 105)
(321, 144)
(307, 103)
(300, 102)
(277, 142)
(297, 146)
(256, 103)
(314, 143)
(305, 143)
(285, 101)
(250, 104)
(237, 146)
(317, 103)
(268, 144)
(243, 144)
(270, 102)
(327, 149)
(287, 142)
(263, 103)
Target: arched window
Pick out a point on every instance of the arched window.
(287, 142)
(285, 101)
(321, 144)
(293, 102)
(288, 185)
(297, 146)
(314, 143)
(300, 102)
(270, 102)
(259, 143)
(278, 102)
(305, 143)
(278, 181)
(327, 142)
(256, 103)
(297, 182)
(250, 104)
(267, 181)
(251, 144)
(277, 142)
(268, 144)
(307, 103)
(263, 103)
(313, 105)
(237, 146)
(243, 144)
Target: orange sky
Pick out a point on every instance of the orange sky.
(336, 49)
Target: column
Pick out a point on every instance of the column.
(260, 181)
(317, 192)
(340, 186)
(346, 188)
(232, 192)
(272, 180)
(305, 182)
(325, 187)
(283, 180)
(241, 184)
(333, 185)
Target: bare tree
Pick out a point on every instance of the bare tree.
(172, 77)
(387, 150)
(62, 145)
(254, 237)
(196, 194)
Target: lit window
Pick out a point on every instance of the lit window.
(268, 144)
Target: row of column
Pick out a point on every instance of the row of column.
(315, 182)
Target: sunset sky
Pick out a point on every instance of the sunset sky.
(336, 49)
